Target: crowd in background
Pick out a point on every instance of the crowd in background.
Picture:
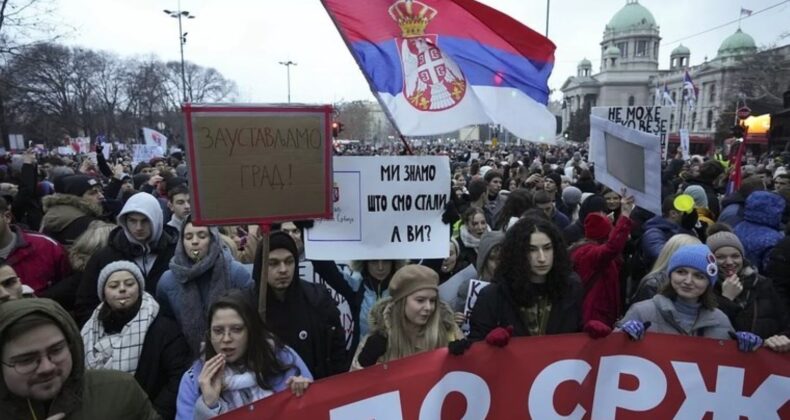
(113, 303)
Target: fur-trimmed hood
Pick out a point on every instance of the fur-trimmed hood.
(60, 210)
(379, 322)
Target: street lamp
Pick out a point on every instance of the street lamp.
(288, 65)
(182, 39)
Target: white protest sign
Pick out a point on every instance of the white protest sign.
(475, 286)
(385, 208)
(64, 150)
(627, 158)
(648, 119)
(144, 153)
(17, 142)
(307, 273)
(685, 143)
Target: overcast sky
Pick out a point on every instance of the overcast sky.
(245, 39)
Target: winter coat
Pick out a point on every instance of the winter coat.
(757, 308)
(661, 313)
(190, 405)
(574, 232)
(760, 230)
(488, 242)
(658, 230)
(380, 325)
(649, 286)
(153, 257)
(496, 307)
(67, 216)
(598, 265)
(86, 394)
(560, 220)
(308, 321)
(39, 261)
(449, 290)
(732, 209)
(779, 270)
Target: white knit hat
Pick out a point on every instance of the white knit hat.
(116, 266)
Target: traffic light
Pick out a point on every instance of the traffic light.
(337, 128)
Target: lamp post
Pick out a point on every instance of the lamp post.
(182, 39)
(288, 65)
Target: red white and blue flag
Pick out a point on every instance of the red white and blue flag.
(691, 90)
(439, 65)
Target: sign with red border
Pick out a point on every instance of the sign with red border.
(259, 163)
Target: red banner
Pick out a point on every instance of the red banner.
(566, 376)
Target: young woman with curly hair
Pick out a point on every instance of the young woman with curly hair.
(535, 292)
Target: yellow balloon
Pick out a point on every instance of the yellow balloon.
(684, 203)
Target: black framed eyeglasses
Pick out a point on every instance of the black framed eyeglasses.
(29, 363)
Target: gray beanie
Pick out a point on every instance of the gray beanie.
(721, 239)
(113, 267)
(571, 196)
(698, 194)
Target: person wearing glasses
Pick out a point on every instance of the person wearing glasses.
(44, 375)
(243, 362)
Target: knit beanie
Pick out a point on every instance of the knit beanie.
(721, 239)
(597, 227)
(697, 257)
(282, 240)
(556, 178)
(698, 193)
(75, 184)
(593, 204)
(571, 196)
(116, 266)
(412, 278)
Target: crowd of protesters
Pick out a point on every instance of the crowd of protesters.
(114, 304)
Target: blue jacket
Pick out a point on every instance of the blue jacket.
(658, 230)
(168, 289)
(190, 406)
(761, 227)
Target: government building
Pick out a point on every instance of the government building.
(629, 74)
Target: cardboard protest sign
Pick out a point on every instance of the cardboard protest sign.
(627, 158)
(475, 286)
(385, 208)
(647, 119)
(259, 164)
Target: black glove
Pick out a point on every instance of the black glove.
(458, 347)
(375, 347)
(450, 214)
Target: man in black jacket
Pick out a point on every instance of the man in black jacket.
(142, 238)
(301, 313)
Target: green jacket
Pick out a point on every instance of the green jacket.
(86, 395)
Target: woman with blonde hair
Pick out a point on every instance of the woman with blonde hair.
(92, 240)
(653, 281)
(410, 321)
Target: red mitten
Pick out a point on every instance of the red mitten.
(499, 336)
(597, 329)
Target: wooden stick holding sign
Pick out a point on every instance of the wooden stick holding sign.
(266, 230)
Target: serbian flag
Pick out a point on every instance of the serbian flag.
(439, 65)
(736, 154)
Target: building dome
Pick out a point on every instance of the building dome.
(632, 15)
(737, 44)
(681, 50)
(611, 51)
(585, 63)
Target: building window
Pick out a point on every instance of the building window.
(674, 98)
(655, 50)
(709, 125)
(631, 100)
(693, 120)
(712, 98)
(672, 122)
(641, 48)
(623, 47)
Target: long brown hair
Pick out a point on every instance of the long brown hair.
(263, 347)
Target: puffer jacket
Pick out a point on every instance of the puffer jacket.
(758, 308)
(658, 230)
(661, 313)
(760, 230)
(85, 394)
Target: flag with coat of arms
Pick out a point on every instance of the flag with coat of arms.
(690, 90)
(439, 65)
